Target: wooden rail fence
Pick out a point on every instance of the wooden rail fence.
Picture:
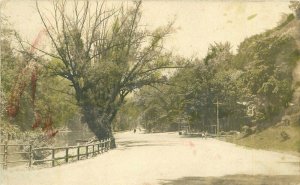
(78, 152)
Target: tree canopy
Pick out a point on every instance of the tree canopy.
(254, 86)
(105, 53)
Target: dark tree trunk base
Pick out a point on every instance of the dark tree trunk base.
(113, 143)
(101, 130)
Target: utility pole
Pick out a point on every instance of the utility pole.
(218, 121)
(1, 97)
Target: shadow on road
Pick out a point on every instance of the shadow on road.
(130, 144)
(236, 180)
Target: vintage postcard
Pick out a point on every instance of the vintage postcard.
(149, 92)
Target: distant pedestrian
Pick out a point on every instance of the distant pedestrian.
(134, 130)
(202, 134)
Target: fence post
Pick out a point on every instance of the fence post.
(53, 157)
(67, 153)
(87, 151)
(109, 143)
(30, 154)
(5, 155)
(93, 149)
(98, 144)
(101, 143)
(106, 145)
(78, 151)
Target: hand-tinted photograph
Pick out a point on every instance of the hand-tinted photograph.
(149, 92)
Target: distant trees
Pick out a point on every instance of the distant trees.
(128, 116)
(105, 54)
(254, 86)
(158, 107)
(193, 92)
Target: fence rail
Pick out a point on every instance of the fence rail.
(64, 153)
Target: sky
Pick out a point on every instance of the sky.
(197, 23)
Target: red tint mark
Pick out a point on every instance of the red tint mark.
(191, 144)
(37, 40)
(37, 120)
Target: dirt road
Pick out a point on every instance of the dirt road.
(167, 159)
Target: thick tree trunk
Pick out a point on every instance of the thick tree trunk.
(101, 128)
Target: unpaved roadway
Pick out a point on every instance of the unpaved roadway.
(167, 158)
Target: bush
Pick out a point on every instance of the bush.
(284, 136)
(37, 139)
(298, 146)
(8, 131)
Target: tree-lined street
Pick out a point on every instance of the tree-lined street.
(153, 79)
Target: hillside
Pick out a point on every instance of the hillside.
(270, 139)
(284, 133)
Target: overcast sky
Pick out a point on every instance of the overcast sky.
(198, 23)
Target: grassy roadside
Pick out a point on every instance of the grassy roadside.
(270, 139)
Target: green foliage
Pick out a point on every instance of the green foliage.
(128, 116)
(107, 60)
(7, 130)
(11, 65)
(56, 97)
(298, 146)
(157, 105)
(254, 86)
(49, 94)
(193, 92)
(268, 61)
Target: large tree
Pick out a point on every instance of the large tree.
(106, 54)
